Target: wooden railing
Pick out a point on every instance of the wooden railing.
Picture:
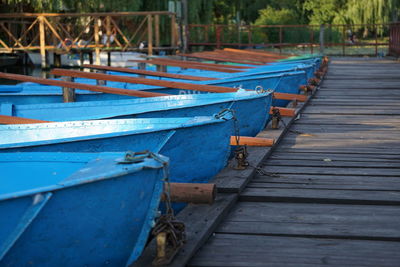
(394, 39)
(66, 32)
(328, 39)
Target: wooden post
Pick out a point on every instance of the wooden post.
(141, 66)
(344, 40)
(218, 36)
(108, 33)
(81, 58)
(173, 31)
(206, 31)
(321, 38)
(68, 93)
(249, 35)
(312, 39)
(108, 30)
(96, 40)
(185, 25)
(108, 58)
(280, 39)
(90, 53)
(157, 29)
(101, 82)
(376, 40)
(42, 42)
(56, 59)
(161, 68)
(149, 35)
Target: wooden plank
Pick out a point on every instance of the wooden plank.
(343, 144)
(371, 150)
(366, 222)
(335, 156)
(262, 251)
(388, 121)
(185, 65)
(151, 82)
(256, 53)
(221, 59)
(323, 196)
(332, 170)
(346, 136)
(18, 120)
(329, 163)
(149, 73)
(202, 64)
(320, 181)
(377, 130)
(228, 54)
(347, 111)
(82, 86)
(351, 102)
(334, 185)
(380, 86)
(364, 76)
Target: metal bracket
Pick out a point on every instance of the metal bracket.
(170, 237)
(241, 158)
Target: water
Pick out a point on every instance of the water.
(25, 70)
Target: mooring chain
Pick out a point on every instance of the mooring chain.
(169, 232)
(240, 152)
(276, 113)
(221, 115)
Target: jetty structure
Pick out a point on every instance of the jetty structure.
(228, 157)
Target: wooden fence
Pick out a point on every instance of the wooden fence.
(67, 32)
(328, 39)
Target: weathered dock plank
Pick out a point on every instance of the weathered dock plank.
(262, 250)
(330, 192)
(314, 220)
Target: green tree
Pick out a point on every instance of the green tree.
(324, 11)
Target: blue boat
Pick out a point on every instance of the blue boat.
(189, 142)
(308, 65)
(77, 209)
(251, 109)
(30, 93)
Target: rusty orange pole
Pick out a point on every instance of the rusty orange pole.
(284, 112)
(196, 193)
(252, 141)
(153, 82)
(149, 73)
(286, 96)
(83, 86)
(203, 64)
(185, 65)
(220, 59)
(18, 120)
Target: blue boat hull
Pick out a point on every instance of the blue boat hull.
(251, 109)
(80, 209)
(37, 94)
(188, 146)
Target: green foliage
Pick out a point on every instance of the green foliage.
(324, 11)
(272, 16)
(71, 5)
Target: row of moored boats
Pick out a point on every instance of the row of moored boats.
(85, 157)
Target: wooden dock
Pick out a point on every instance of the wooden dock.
(330, 192)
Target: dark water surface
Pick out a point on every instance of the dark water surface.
(25, 70)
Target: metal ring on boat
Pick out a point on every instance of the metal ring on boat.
(259, 89)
